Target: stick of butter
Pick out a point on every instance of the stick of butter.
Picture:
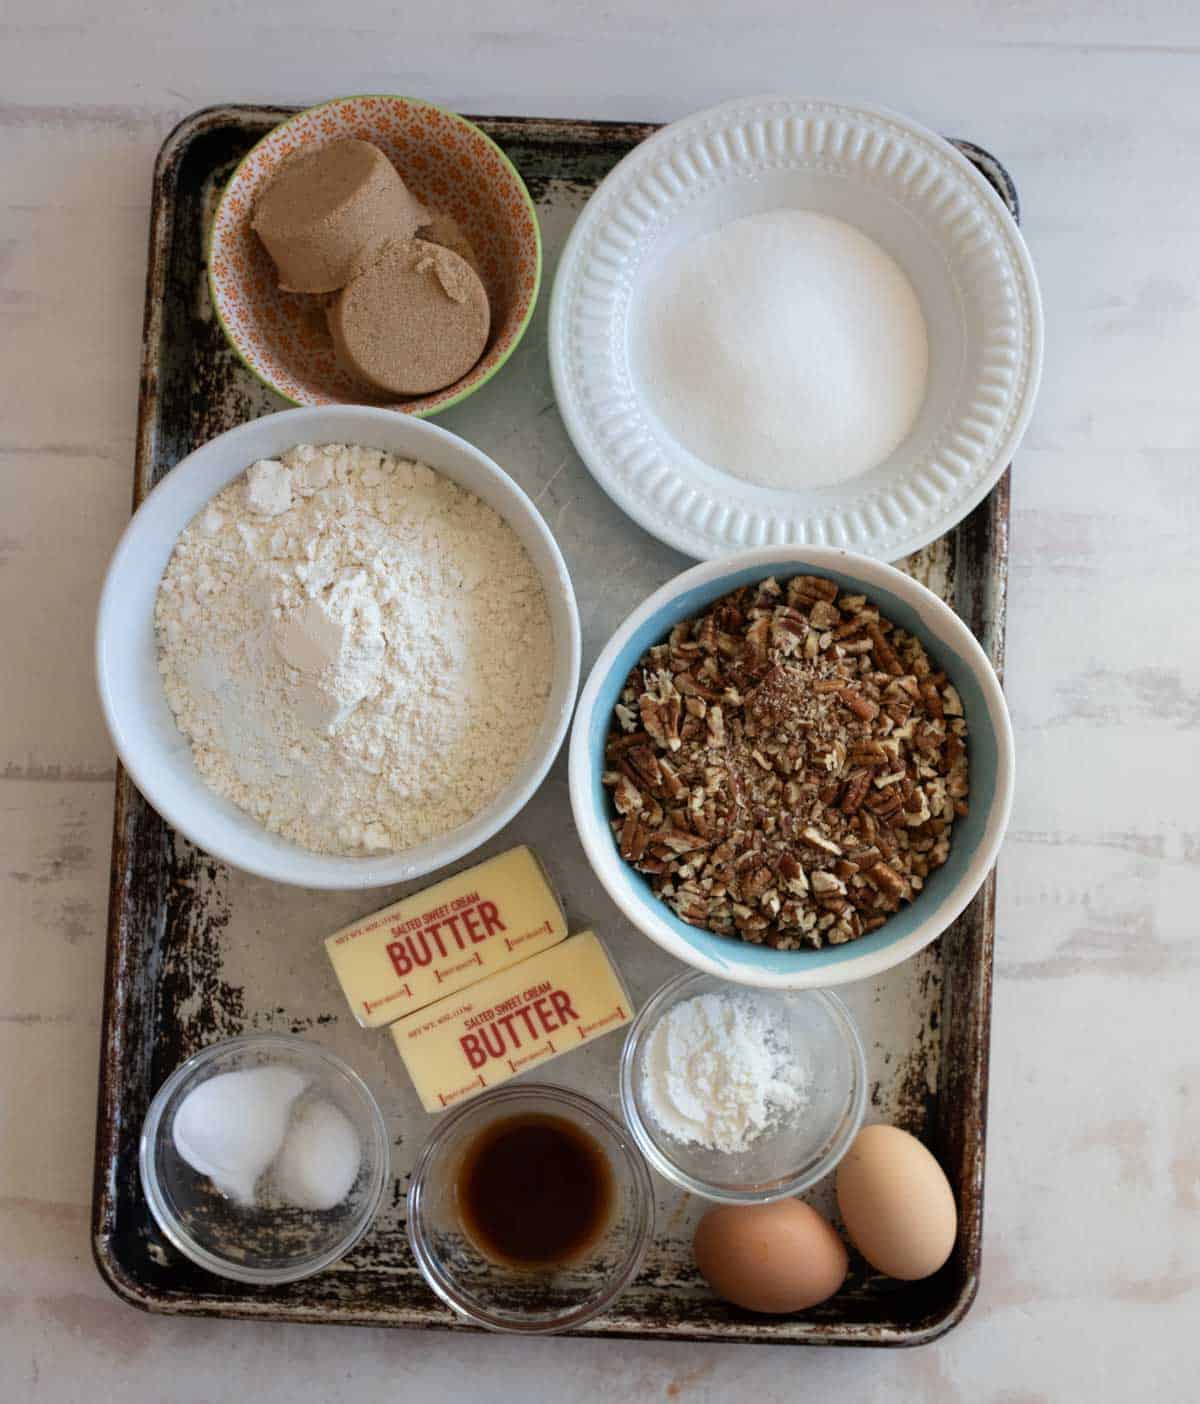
(443, 939)
(515, 1020)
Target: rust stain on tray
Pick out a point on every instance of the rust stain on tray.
(184, 967)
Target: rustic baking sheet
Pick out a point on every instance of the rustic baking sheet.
(198, 952)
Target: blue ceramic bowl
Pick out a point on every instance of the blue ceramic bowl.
(977, 838)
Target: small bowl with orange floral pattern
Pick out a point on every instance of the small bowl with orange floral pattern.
(452, 167)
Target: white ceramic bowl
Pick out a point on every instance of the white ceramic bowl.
(150, 745)
(906, 188)
(976, 839)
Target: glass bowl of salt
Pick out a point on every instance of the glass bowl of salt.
(264, 1158)
(742, 1095)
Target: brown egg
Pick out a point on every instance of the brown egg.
(770, 1257)
(896, 1203)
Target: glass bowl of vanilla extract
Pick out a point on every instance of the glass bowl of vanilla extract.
(529, 1210)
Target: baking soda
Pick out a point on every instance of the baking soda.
(720, 1071)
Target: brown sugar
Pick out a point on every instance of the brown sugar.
(416, 321)
(329, 213)
(445, 230)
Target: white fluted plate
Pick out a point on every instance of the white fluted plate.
(906, 188)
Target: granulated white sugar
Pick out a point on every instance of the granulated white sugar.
(787, 349)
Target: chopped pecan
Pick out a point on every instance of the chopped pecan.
(808, 589)
(817, 839)
(632, 842)
(792, 874)
(626, 796)
(858, 787)
(824, 615)
(679, 840)
(672, 785)
(886, 804)
(617, 743)
(868, 753)
(660, 717)
(691, 686)
(756, 884)
(885, 654)
(758, 639)
(861, 706)
(641, 765)
(887, 880)
(787, 720)
(716, 726)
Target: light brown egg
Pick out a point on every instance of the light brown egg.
(896, 1203)
(770, 1257)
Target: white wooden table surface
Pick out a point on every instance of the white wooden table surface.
(1091, 1285)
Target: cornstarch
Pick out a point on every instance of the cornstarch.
(786, 348)
(358, 650)
(720, 1071)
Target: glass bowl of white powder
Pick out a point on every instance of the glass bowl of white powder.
(264, 1158)
(743, 1095)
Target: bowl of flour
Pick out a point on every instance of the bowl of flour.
(337, 647)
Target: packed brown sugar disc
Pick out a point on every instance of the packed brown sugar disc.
(329, 213)
(443, 229)
(416, 321)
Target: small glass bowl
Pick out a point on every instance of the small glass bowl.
(789, 1156)
(263, 1245)
(527, 1301)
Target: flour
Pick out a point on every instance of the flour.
(787, 349)
(358, 650)
(719, 1072)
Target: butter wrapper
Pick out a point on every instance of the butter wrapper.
(512, 1021)
(448, 937)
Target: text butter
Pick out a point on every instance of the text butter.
(448, 937)
(512, 1021)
